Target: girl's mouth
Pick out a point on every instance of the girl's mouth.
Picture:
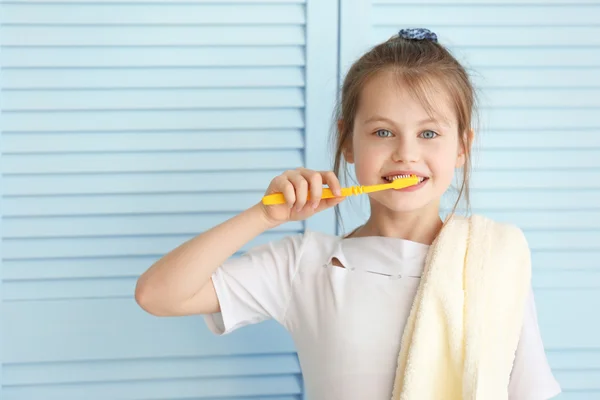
(393, 178)
(422, 182)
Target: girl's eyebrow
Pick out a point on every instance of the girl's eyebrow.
(378, 118)
(427, 121)
(433, 121)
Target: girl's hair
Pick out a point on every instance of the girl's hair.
(422, 66)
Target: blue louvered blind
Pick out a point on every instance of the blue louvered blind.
(128, 127)
(536, 65)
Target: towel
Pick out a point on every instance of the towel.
(463, 330)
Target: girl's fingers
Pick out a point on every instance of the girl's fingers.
(315, 182)
(283, 185)
(333, 182)
(301, 189)
(297, 184)
(289, 193)
(328, 203)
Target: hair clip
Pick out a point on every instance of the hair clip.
(418, 34)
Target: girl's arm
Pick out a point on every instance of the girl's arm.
(179, 283)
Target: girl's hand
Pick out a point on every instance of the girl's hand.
(295, 186)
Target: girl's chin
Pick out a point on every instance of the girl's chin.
(405, 201)
(402, 206)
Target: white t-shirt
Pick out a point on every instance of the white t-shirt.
(347, 323)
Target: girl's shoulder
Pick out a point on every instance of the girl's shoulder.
(320, 243)
(295, 246)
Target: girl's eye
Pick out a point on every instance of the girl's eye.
(383, 133)
(428, 134)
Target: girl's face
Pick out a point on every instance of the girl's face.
(395, 135)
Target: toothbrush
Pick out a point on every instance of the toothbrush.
(399, 183)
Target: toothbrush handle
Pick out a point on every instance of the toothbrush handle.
(278, 198)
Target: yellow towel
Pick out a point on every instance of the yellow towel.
(462, 333)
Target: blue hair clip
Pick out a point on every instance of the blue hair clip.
(417, 34)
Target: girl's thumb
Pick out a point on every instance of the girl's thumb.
(328, 203)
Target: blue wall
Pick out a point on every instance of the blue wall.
(127, 128)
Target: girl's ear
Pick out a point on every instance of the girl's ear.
(347, 150)
(464, 147)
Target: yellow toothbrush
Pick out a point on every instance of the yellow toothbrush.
(400, 183)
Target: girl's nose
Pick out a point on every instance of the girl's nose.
(406, 151)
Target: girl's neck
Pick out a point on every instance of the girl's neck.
(421, 226)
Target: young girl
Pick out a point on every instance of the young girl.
(350, 302)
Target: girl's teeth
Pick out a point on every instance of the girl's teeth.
(393, 178)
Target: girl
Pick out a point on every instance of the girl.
(353, 304)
